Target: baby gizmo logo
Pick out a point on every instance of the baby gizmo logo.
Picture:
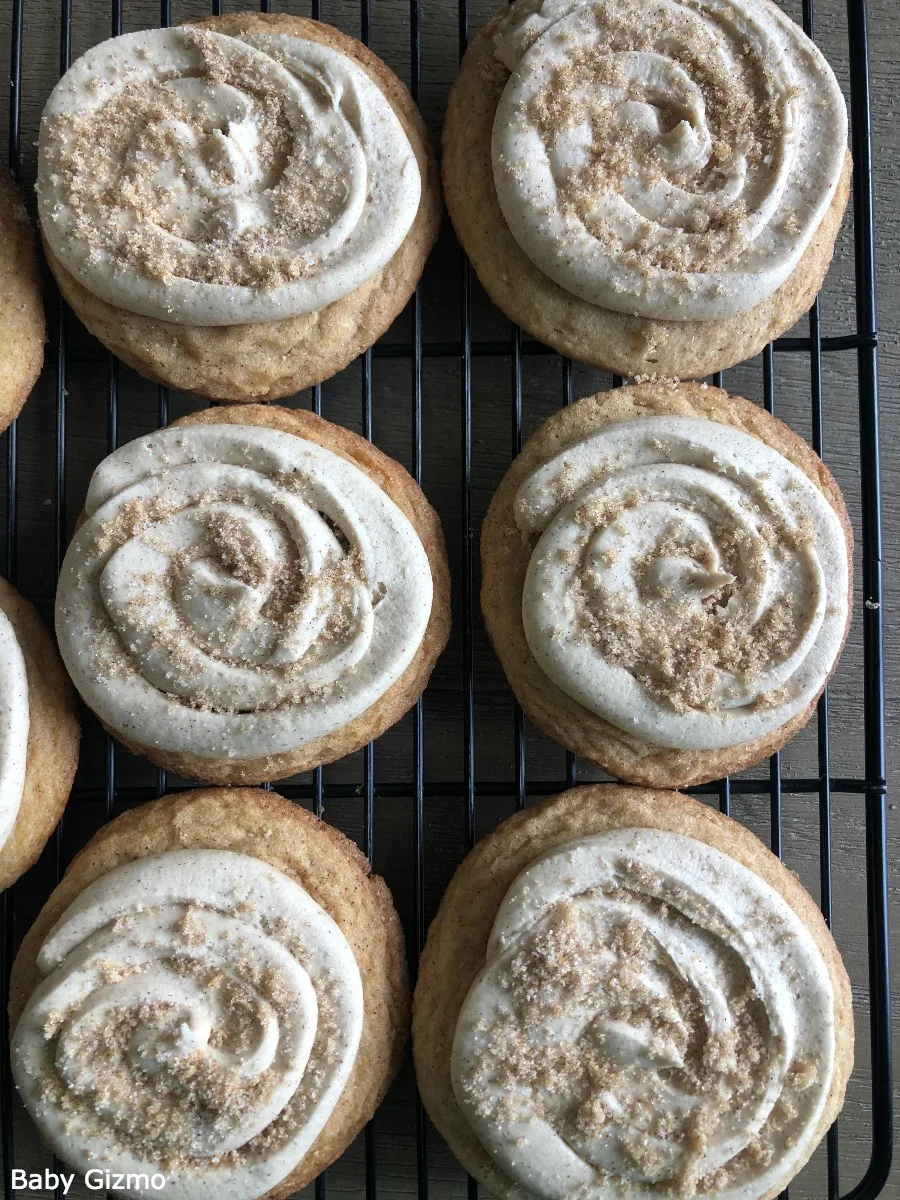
(94, 1181)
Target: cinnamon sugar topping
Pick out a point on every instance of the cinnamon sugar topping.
(671, 159)
(644, 1020)
(214, 1028)
(212, 180)
(239, 591)
(686, 582)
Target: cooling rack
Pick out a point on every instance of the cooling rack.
(430, 800)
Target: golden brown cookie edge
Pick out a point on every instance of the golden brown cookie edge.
(318, 857)
(22, 326)
(399, 486)
(53, 739)
(504, 561)
(456, 943)
(267, 361)
(634, 347)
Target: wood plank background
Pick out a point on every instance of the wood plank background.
(85, 431)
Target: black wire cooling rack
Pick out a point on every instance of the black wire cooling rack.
(415, 787)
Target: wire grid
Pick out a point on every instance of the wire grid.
(863, 342)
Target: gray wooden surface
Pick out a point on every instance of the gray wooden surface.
(87, 386)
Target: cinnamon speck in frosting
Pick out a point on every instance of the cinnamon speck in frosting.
(665, 159)
(627, 1030)
(584, 1085)
(205, 179)
(686, 582)
(194, 1047)
(594, 88)
(244, 589)
(163, 237)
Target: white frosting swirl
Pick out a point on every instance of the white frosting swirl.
(237, 591)
(667, 158)
(651, 1017)
(199, 1017)
(689, 584)
(213, 180)
(14, 723)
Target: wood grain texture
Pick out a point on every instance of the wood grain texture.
(87, 384)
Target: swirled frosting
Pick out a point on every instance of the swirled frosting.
(688, 584)
(14, 723)
(652, 1018)
(199, 1017)
(214, 180)
(667, 158)
(238, 592)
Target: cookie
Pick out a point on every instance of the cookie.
(242, 1004)
(667, 581)
(624, 990)
(281, 244)
(39, 736)
(22, 330)
(253, 592)
(623, 184)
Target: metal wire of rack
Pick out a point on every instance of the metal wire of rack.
(415, 787)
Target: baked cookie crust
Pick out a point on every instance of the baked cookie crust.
(505, 558)
(53, 737)
(457, 940)
(399, 485)
(318, 857)
(627, 345)
(22, 328)
(240, 363)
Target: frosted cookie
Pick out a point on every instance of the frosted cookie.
(39, 736)
(22, 330)
(215, 992)
(236, 207)
(651, 187)
(666, 579)
(252, 592)
(625, 994)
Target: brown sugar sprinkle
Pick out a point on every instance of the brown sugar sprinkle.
(190, 928)
(678, 646)
(111, 159)
(745, 108)
(160, 1113)
(598, 1086)
(237, 548)
(287, 586)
